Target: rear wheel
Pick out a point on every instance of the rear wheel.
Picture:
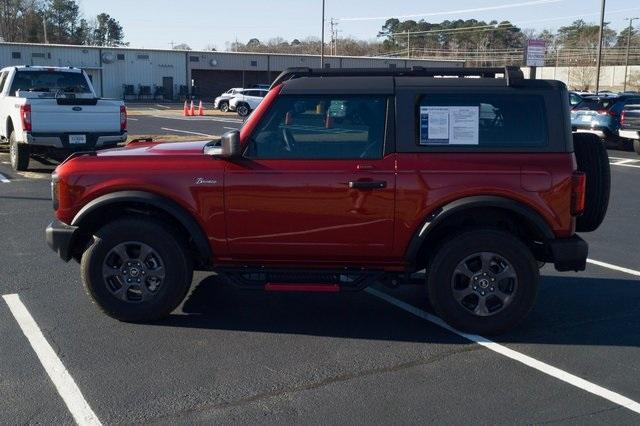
(18, 153)
(483, 281)
(136, 270)
(593, 160)
(243, 110)
(636, 146)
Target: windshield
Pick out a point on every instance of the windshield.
(50, 81)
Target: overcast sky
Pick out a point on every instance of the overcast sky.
(157, 23)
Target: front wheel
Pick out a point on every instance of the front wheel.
(224, 106)
(136, 270)
(243, 110)
(483, 281)
(18, 154)
(636, 146)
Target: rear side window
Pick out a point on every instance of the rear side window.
(321, 128)
(49, 81)
(483, 120)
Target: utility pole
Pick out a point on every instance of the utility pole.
(408, 44)
(600, 35)
(44, 25)
(626, 61)
(333, 42)
(322, 39)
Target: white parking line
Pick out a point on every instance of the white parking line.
(186, 131)
(626, 165)
(230, 128)
(204, 118)
(543, 367)
(64, 383)
(131, 119)
(4, 179)
(614, 267)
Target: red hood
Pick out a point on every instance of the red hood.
(153, 149)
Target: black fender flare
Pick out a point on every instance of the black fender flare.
(441, 214)
(170, 207)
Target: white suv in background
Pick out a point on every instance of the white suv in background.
(222, 101)
(247, 101)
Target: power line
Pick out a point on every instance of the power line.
(459, 11)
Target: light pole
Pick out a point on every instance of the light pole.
(322, 39)
(626, 61)
(600, 46)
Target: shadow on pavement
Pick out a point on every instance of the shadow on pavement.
(570, 310)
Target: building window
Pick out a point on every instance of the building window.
(37, 55)
(254, 63)
(327, 65)
(120, 56)
(392, 65)
(16, 55)
(143, 57)
(194, 58)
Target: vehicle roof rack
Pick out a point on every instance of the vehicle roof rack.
(512, 74)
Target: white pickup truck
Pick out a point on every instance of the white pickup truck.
(55, 111)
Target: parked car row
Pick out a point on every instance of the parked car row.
(612, 117)
(241, 100)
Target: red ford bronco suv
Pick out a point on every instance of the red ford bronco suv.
(342, 178)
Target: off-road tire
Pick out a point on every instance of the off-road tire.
(168, 244)
(18, 153)
(455, 250)
(593, 160)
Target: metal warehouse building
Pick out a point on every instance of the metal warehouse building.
(171, 74)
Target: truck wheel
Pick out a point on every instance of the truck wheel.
(135, 270)
(593, 160)
(18, 153)
(483, 281)
(243, 110)
(636, 146)
(224, 106)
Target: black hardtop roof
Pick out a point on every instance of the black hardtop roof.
(512, 75)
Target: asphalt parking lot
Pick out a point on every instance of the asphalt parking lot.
(161, 121)
(232, 356)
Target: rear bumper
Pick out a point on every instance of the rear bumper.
(60, 237)
(61, 141)
(569, 254)
(629, 134)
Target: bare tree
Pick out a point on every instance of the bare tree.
(582, 77)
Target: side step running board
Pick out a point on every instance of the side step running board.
(306, 287)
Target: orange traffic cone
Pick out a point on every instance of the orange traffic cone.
(200, 109)
(192, 111)
(185, 110)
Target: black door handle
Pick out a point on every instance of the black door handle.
(368, 184)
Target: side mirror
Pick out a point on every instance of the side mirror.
(228, 148)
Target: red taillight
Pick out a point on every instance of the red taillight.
(606, 112)
(25, 117)
(578, 193)
(123, 118)
(622, 118)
